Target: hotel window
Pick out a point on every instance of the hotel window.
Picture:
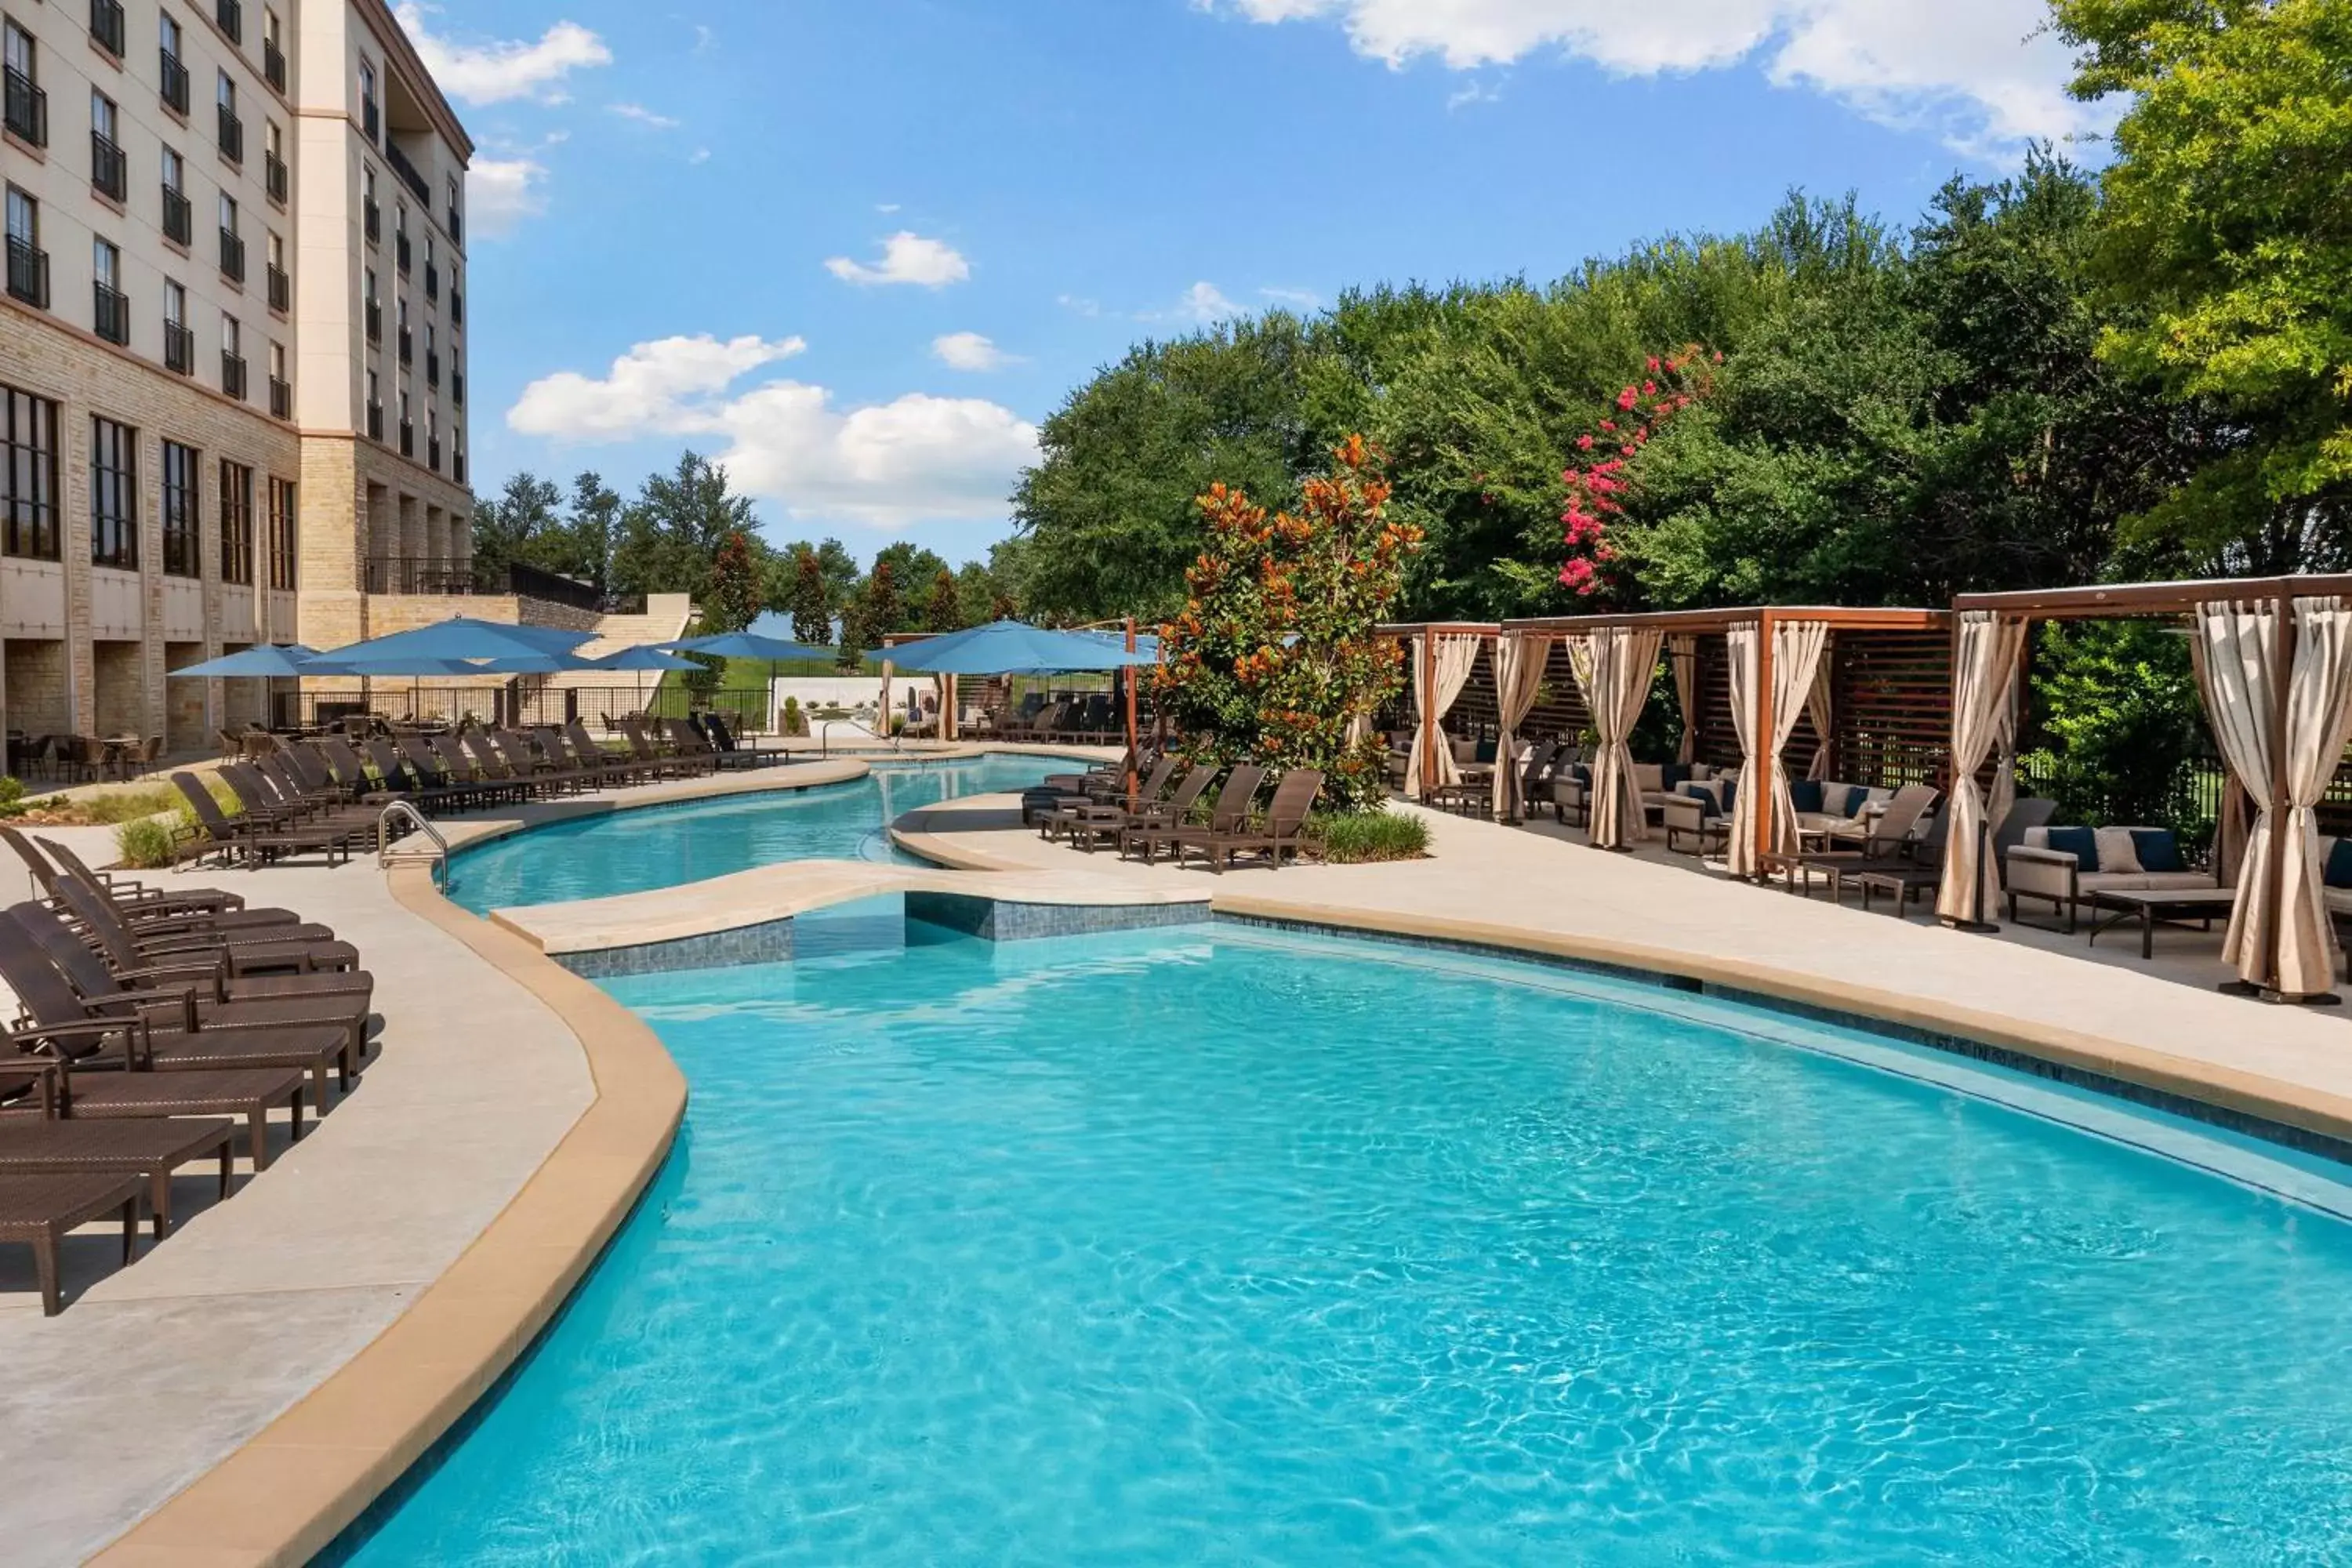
(181, 532)
(28, 475)
(113, 494)
(284, 549)
(28, 264)
(236, 523)
(112, 321)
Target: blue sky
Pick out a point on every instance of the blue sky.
(859, 247)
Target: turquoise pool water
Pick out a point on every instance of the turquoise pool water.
(630, 852)
(1231, 1246)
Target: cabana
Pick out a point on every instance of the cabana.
(2274, 663)
(1868, 689)
(1442, 656)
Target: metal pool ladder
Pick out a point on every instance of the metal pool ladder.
(438, 855)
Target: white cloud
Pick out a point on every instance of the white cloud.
(907, 257)
(1079, 304)
(1296, 298)
(700, 156)
(642, 115)
(502, 192)
(885, 208)
(1473, 94)
(884, 464)
(970, 351)
(1982, 74)
(1205, 302)
(496, 70)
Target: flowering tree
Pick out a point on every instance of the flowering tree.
(1272, 659)
(1597, 475)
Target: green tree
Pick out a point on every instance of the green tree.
(811, 605)
(669, 536)
(2229, 258)
(732, 598)
(515, 524)
(943, 611)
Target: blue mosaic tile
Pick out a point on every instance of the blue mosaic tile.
(999, 919)
(771, 941)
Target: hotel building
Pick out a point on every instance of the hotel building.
(232, 350)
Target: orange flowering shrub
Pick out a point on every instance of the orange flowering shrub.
(1273, 659)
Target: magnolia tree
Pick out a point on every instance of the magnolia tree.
(1274, 661)
(1597, 475)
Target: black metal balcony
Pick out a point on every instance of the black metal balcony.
(26, 108)
(401, 253)
(409, 176)
(179, 349)
(432, 281)
(232, 134)
(372, 221)
(456, 227)
(106, 28)
(230, 14)
(370, 119)
(407, 346)
(458, 388)
(407, 438)
(109, 170)
(456, 306)
(375, 322)
(433, 369)
(273, 177)
(232, 374)
(175, 83)
(281, 290)
(232, 257)
(457, 466)
(376, 422)
(433, 453)
(273, 64)
(281, 399)
(179, 218)
(28, 272)
(111, 318)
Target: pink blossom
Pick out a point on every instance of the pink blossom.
(1627, 450)
(1649, 389)
(1576, 574)
(1626, 398)
(1584, 443)
(1654, 364)
(1609, 424)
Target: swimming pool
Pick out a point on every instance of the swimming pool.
(1236, 1246)
(662, 846)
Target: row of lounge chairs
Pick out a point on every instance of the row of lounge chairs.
(1093, 718)
(155, 1030)
(1095, 808)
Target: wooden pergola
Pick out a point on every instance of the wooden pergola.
(1890, 683)
(2178, 601)
(1424, 635)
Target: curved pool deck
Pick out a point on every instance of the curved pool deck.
(278, 1493)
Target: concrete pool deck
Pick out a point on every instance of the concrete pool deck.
(292, 1353)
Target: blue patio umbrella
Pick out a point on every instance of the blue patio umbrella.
(1017, 647)
(264, 660)
(412, 665)
(640, 658)
(534, 664)
(462, 637)
(747, 645)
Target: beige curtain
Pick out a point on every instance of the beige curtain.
(1817, 709)
(2241, 669)
(2004, 766)
(1518, 674)
(1456, 655)
(1615, 670)
(1982, 674)
(2229, 832)
(1797, 649)
(1681, 656)
(1739, 851)
(2318, 725)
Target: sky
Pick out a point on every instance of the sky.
(857, 249)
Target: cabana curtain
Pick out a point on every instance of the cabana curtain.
(1456, 654)
(2240, 658)
(1983, 671)
(1519, 675)
(1817, 709)
(1615, 665)
(1739, 848)
(1797, 648)
(1682, 656)
(2230, 832)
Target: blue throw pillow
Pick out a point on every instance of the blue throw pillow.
(1705, 796)
(1856, 798)
(1672, 776)
(2157, 849)
(1731, 795)
(2339, 865)
(1484, 751)
(1806, 794)
(1583, 774)
(2080, 842)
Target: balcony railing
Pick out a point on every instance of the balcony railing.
(458, 389)
(408, 176)
(407, 438)
(273, 177)
(28, 272)
(457, 466)
(433, 369)
(232, 134)
(407, 346)
(432, 281)
(372, 221)
(232, 257)
(106, 25)
(230, 14)
(109, 170)
(370, 119)
(376, 422)
(400, 251)
(233, 374)
(375, 322)
(175, 83)
(179, 349)
(281, 399)
(433, 575)
(433, 453)
(179, 218)
(456, 227)
(281, 290)
(273, 64)
(456, 306)
(111, 318)
(27, 110)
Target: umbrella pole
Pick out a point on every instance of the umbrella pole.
(1126, 677)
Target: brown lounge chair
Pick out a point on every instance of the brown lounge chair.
(246, 1094)
(253, 840)
(63, 869)
(1094, 817)
(1230, 814)
(40, 1210)
(244, 950)
(1169, 812)
(617, 767)
(1281, 833)
(151, 1149)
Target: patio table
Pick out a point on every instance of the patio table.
(2152, 906)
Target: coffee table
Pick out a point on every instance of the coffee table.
(2170, 906)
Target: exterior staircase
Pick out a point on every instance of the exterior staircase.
(666, 618)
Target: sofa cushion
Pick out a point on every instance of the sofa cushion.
(2116, 852)
(1484, 752)
(1707, 795)
(1649, 778)
(1671, 776)
(2337, 872)
(1465, 751)
(1806, 794)
(2080, 842)
(2157, 849)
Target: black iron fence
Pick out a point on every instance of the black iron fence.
(400, 702)
(436, 575)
